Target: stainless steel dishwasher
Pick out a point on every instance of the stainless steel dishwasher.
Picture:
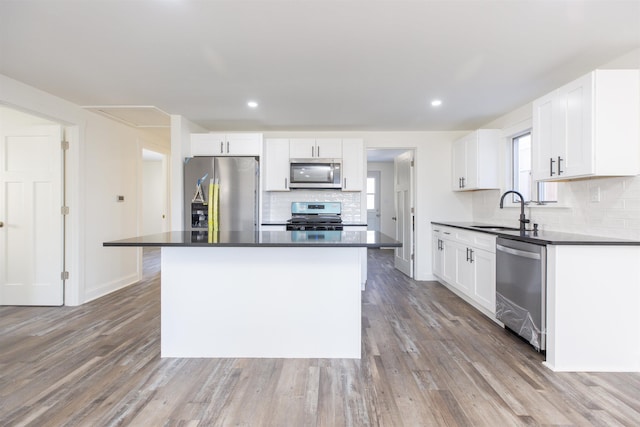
(521, 289)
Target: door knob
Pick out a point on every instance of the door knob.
(394, 218)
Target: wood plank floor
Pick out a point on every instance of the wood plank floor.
(428, 359)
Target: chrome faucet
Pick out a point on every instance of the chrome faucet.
(523, 219)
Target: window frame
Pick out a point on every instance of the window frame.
(510, 134)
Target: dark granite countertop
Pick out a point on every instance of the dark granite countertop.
(345, 224)
(543, 237)
(367, 239)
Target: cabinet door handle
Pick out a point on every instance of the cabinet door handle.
(463, 179)
(313, 151)
(1, 224)
(345, 183)
(559, 167)
(285, 183)
(471, 255)
(227, 147)
(467, 254)
(318, 150)
(221, 147)
(551, 162)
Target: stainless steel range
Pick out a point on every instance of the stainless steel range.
(315, 216)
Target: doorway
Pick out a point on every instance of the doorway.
(395, 193)
(31, 210)
(155, 197)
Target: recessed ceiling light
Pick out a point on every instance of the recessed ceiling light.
(436, 103)
(252, 104)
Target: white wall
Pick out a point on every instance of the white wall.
(103, 161)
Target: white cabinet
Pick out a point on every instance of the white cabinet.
(276, 165)
(226, 144)
(589, 127)
(475, 161)
(466, 263)
(352, 164)
(483, 278)
(318, 148)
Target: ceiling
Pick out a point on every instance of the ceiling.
(312, 64)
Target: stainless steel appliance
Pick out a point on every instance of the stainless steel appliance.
(237, 178)
(315, 216)
(521, 289)
(317, 173)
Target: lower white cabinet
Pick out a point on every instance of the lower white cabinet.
(465, 261)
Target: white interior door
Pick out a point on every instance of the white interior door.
(403, 169)
(31, 236)
(373, 200)
(154, 193)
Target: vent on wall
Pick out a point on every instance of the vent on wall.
(139, 116)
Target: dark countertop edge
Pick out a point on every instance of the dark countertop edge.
(251, 239)
(345, 224)
(254, 245)
(545, 237)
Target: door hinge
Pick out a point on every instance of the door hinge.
(64, 210)
(64, 275)
(64, 145)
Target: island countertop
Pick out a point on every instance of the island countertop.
(366, 239)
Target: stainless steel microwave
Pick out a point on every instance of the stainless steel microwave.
(318, 173)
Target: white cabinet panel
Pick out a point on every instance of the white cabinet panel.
(315, 148)
(226, 144)
(276, 165)
(352, 165)
(466, 262)
(475, 161)
(588, 127)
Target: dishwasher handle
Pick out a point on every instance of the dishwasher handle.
(518, 252)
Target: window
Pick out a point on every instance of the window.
(540, 192)
(371, 193)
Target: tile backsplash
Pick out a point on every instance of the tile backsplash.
(276, 206)
(597, 206)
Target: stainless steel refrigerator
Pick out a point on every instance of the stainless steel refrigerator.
(237, 178)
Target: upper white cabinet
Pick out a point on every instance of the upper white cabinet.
(320, 148)
(276, 164)
(226, 144)
(589, 127)
(352, 164)
(475, 160)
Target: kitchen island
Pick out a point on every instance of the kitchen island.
(288, 294)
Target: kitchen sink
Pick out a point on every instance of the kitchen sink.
(495, 228)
